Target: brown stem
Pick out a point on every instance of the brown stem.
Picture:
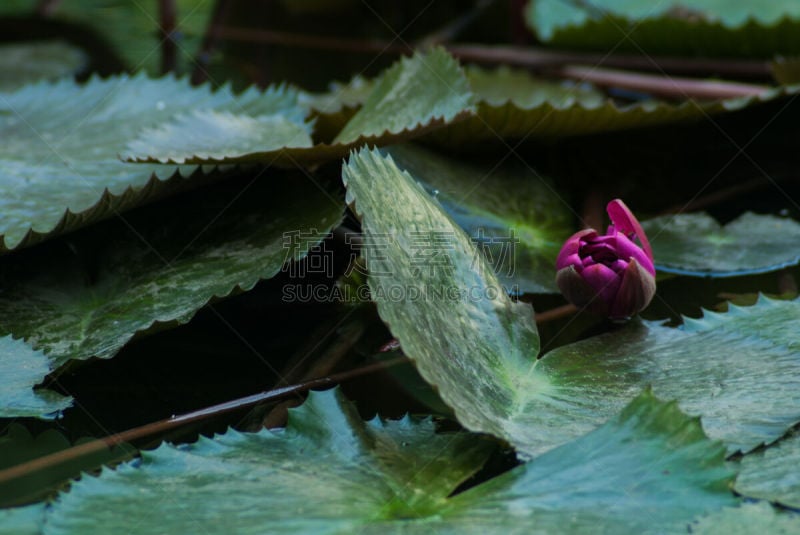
(555, 313)
(325, 364)
(167, 16)
(671, 87)
(162, 426)
(534, 58)
(210, 41)
(539, 58)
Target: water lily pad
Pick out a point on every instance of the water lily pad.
(479, 348)
(59, 163)
(750, 244)
(648, 470)
(18, 446)
(703, 27)
(155, 269)
(24, 63)
(415, 95)
(515, 216)
(772, 474)
(328, 471)
(22, 520)
(516, 105)
(23, 367)
(747, 519)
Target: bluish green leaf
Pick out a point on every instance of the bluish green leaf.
(514, 216)
(747, 519)
(415, 95)
(648, 470)
(18, 446)
(479, 348)
(59, 163)
(702, 27)
(23, 367)
(515, 105)
(733, 369)
(24, 63)
(425, 89)
(772, 474)
(219, 136)
(109, 283)
(449, 310)
(327, 472)
(696, 245)
(22, 520)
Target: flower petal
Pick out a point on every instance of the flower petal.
(636, 291)
(627, 250)
(624, 220)
(572, 247)
(604, 281)
(576, 290)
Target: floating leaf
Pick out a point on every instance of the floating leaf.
(649, 469)
(772, 474)
(417, 91)
(333, 109)
(703, 27)
(22, 520)
(415, 95)
(22, 368)
(24, 63)
(326, 472)
(512, 214)
(59, 164)
(18, 446)
(497, 87)
(329, 472)
(131, 27)
(219, 136)
(695, 244)
(166, 261)
(478, 348)
(452, 317)
(747, 519)
(736, 370)
(514, 105)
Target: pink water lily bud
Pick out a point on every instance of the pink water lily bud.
(609, 274)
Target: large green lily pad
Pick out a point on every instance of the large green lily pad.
(703, 27)
(515, 216)
(59, 163)
(750, 244)
(415, 95)
(479, 348)
(159, 266)
(24, 63)
(23, 367)
(648, 470)
(772, 474)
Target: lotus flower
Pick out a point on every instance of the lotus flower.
(608, 274)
